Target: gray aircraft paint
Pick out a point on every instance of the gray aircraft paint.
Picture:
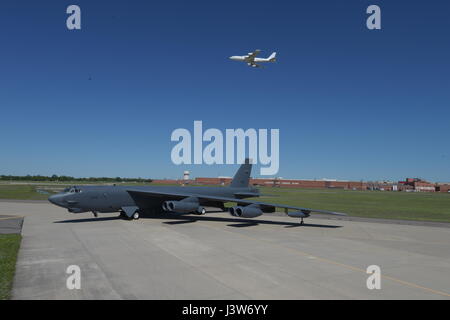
(132, 200)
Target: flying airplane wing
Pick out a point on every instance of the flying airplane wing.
(253, 54)
(265, 207)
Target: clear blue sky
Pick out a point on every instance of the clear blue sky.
(350, 103)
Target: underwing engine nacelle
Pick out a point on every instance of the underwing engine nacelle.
(183, 207)
(251, 211)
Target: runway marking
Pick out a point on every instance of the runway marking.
(312, 257)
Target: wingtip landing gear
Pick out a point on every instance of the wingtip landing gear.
(301, 221)
(95, 213)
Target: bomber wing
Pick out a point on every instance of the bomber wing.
(266, 207)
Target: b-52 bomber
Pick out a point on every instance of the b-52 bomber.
(132, 201)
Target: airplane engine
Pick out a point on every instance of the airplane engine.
(180, 206)
(246, 212)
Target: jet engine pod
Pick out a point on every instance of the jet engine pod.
(246, 212)
(180, 206)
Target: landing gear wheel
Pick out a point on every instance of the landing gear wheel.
(301, 221)
(135, 215)
(202, 211)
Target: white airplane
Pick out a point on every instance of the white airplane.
(251, 59)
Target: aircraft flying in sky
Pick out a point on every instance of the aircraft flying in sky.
(251, 59)
(131, 201)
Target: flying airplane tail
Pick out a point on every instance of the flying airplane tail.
(272, 57)
(242, 177)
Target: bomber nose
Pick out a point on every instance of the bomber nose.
(56, 199)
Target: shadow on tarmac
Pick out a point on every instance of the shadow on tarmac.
(184, 219)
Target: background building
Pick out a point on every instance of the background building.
(289, 183)
(417, 185)
(408, 185)
(443, 187)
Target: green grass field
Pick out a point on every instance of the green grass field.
(22, 192)
(373, 204)
(9, 246)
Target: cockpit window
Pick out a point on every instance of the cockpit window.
(72, 190)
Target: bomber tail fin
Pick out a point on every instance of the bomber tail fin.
(242, 177)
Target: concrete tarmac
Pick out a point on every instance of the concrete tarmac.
(217, 256)
(10, 224)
